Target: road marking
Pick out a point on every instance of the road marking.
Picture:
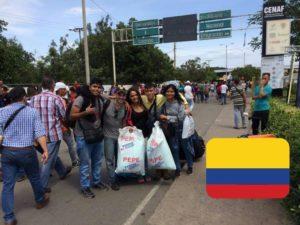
(142, 205)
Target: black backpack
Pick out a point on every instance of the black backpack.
(70, 123)
(199, 145)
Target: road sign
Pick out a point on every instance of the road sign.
(146, 32)
(215, 34)
(180, 28)
(145, 24)
(215, 15)
(146, 41)
(213, 25)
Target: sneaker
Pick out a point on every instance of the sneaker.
(235, 128)
(115, 186)
(177, 173)
(47, 190)
(76, 163)
(43, 203)
(189, 170)
(87, 193)
(101, 186)
(141, 180)
(68, 171)
(14, 222)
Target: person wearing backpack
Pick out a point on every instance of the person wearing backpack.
(114, 113)
(87, 110)
(68, 136)
(238, 97)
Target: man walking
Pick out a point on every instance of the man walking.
(262, 94)
(20, 126)
(224, 89)
(52, 111)
(238, 97)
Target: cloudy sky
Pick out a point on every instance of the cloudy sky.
(36, 22)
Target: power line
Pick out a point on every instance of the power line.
(104, 10)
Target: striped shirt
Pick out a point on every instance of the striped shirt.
(24, 129)
(52, 110)
(236, 95)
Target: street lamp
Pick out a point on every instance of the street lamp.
(226, 45)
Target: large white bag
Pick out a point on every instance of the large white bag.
(131, 151)
(188, 127)
(159, 155)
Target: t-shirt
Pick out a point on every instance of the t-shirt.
(188, 92)
(262, 104)
(85, 122)
(112, 120)
(224, 88)
(236, 95)
(160, 100)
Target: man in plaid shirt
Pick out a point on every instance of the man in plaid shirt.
(52, 110)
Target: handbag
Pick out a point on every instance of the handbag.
(93, 135)
(169, 129)
(8, 122)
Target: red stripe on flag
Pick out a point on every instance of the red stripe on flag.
(248, 191)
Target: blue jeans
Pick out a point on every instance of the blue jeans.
(68, 137)
(53, 162)
(89, 153)
(12, 161)
(223, 98)
(175, 143)
(110, 152)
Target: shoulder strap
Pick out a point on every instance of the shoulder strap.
(105, 106)
(13, 116)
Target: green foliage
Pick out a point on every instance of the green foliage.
(193, 70)
(247, 72)
(284, 123)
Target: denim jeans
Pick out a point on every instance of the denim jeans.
(89, 153)
(175, 143)
(239, 112)
(68, 137)
(12, 161)
(53, 162)
(223, 99)
(110, 152)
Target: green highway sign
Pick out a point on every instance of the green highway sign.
(215, 34)
(215, 15)
(146, 41)
(146, 32)
(213, 25)
(145, 24)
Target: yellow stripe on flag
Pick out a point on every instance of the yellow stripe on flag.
(248, 153)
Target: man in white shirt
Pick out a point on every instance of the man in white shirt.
(224, 89)
(188, 94)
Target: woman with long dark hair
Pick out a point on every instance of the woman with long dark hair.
(172, 115)
(137, 115)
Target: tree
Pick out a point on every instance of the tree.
(247, 72)
(292, 10)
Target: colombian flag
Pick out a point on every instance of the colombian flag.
(247, 168)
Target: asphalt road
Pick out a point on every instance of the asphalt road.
(133, 204)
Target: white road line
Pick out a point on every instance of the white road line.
(142, 205)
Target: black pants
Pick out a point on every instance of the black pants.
(259, 116)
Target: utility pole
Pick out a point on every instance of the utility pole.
(291, 76)
(113, 56)
(226, 60)
(175, 55)
(86, 49)
(298, 86)
(244, 58)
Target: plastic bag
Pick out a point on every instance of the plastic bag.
(131, 151)
(188, 127)
(159, 155)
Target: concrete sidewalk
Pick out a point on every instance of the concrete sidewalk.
(186, 202)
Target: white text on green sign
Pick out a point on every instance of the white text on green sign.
(146, 32)
(215, 15)
(213, 25)
(146, 41)
(145, 23)
(215, 34)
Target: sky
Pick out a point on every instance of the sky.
(34, 23)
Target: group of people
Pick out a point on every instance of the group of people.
(89, 122)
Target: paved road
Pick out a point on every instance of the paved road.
(68, 207)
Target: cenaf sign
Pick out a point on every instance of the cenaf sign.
(274, 10)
